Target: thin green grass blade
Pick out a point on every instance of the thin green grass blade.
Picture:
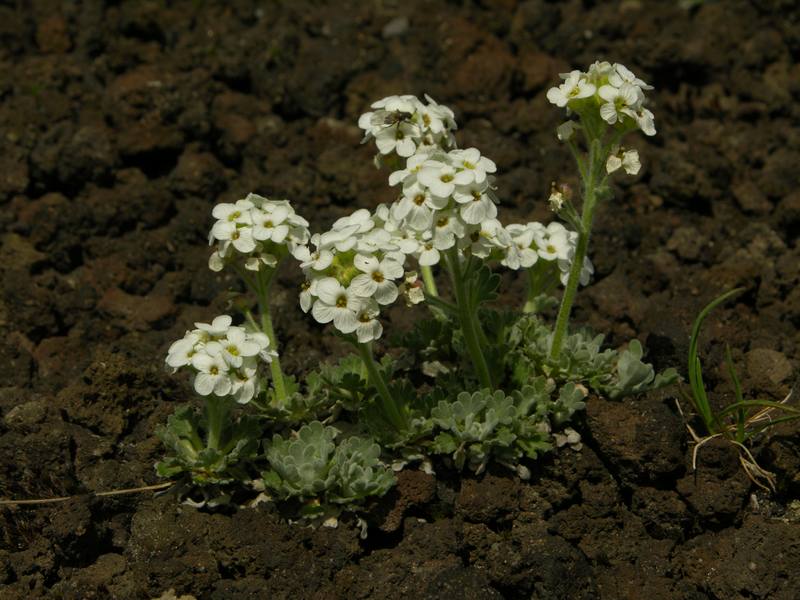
(737, 391)
(694, 369)
(745, 404)
(753, 430)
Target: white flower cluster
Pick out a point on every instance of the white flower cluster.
(446, 200)
(554, 244)
(257, 230)
(224, 358)
(613, 89)
(352, 271)
(405, 125)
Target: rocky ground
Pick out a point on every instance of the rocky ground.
(123, 123)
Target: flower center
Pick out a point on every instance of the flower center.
(364, 317)
(419, 199)
(468, 165)
(214, 370)
(378, 276)
(268, 224)
(341, 302)
(446, 178)
(234, 215)
(442, 222)
(235, 235)
(233, 350)
(427, 120)
(476, 195)
(551, 249)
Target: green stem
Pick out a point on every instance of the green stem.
(389, 405)
(534, 287)
(217, 411)
(587, 217)
(263, 284)
(428, 280)
(468, 317)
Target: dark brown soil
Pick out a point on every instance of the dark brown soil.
(124, 122)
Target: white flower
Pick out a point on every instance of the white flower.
(256, 228)
(472, 163)
(376, 278)
(625, 100)
(476, 205)
(319, 260)
(441, 178)
(566, 264)
(413, 165)
(521, 252)
(489, 237)
(599, 71)
(407, 126)
(217, 328)
(270, 224)
(645, 120)
(238, 345)
(368, 328)
(358, 222)
(574, 87)
(428, 255)
(180, 352)
(447, 229)
(233, 213)
(415, 207)
(621, 75)
(437, 117)
(337, 304)
(307, 294)
(553, 242)
(629, 160)
(213, 375)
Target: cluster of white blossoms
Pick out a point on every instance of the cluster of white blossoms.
(612, 89)
(351, 272)
(405, 125)
(223, 357)
(553, 244)
(445, 199)
(256, 231)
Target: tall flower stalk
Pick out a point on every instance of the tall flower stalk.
(609, 103)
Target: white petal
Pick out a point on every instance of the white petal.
(204, 384)
(328, 290)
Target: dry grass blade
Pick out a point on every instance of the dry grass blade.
(55, 500)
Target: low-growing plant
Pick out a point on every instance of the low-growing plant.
(469, 383)
(739, 421)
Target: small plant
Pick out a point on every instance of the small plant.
(741, 420)
(311, 468)
(469, 383)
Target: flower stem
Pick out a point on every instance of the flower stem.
(469, 321)
(263, 284)
(389, 405)
(217, 410)
(428, 280)
(534, 288)
(595, 163)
